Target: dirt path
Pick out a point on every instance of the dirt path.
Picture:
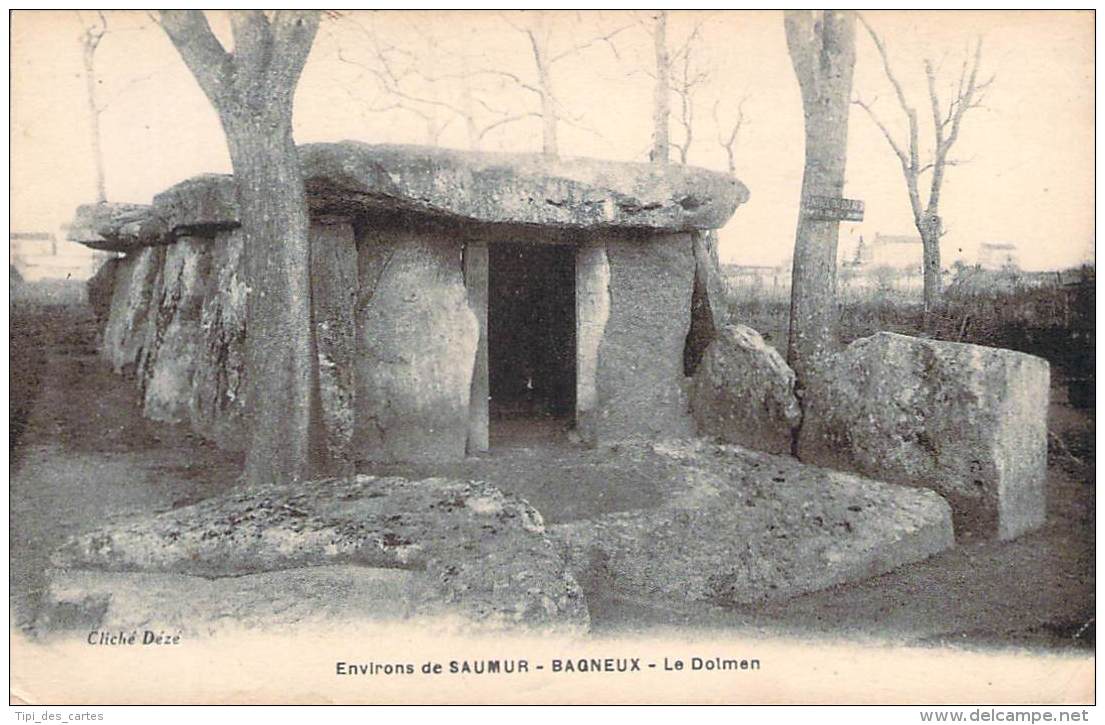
(86, 457)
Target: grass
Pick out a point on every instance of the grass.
(1056, 323)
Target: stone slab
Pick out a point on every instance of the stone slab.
(476, 275)
(417, 340)
(966, 421)
(480, 187)
(485, 552)
(745, 527)
(132, 306)
(217, 408)
(638, 369)
(195, 606)
(580, 193)
(177, 334)
(743, 392)
(118, 227)
(100, 288)
(201, 205)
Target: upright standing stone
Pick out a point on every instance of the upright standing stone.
(177, 333)
(417, 340)
(592, 312)
(333, 300)
(639, 369)
(967, 421)
(131, 303)
(100, 289)
(709, 309)
(475, 280)
(218, 384)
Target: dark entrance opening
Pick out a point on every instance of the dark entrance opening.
(531, 334)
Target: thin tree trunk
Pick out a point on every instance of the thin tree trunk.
(823, 56)
(661, 144)
(467, 105)
(94, 118)
(550, 145)
(538, 39)
(281, 362)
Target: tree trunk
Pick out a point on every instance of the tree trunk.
(252, 89)
(550, 146)
(661, 145)
(930, 229)
(94, 123)
(281, 364)
(823, 56)
(539, 44)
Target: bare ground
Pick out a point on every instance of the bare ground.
(81, 455)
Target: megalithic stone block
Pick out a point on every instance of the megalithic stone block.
(218, 405)
(638, 368)
(476, 273)
(132, 303)
(177, 334)
(592, 312)
(416, 345)
(333, 301)
(743, 392)
(966, 421)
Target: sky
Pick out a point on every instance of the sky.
(1027, 171)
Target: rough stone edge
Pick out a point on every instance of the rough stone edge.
(205, 204)
(812, 449)
(585, 559)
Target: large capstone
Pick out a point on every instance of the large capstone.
(743, 392)
(353, 178)
(417, 340)
(484, 554)
(967, 421)
(520, 188)
(204, 204)
(118, 227)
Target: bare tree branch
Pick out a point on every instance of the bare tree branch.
(606, 39)
(685, 84)
(728, 142)
(903, 157)
(509, 119)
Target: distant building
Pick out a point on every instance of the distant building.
(897, 251)
(889, 262)
(998, 255)
(752, 277)
(40, 255)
